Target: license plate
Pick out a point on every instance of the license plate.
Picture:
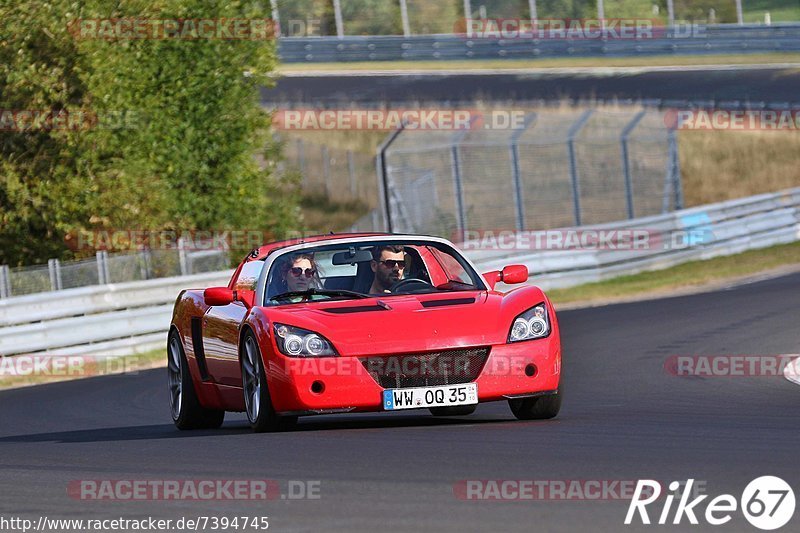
(446, 395)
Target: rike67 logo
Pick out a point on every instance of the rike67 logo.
(767, 502)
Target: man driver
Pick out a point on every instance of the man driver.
(388, 263)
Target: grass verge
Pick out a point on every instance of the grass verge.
(321, 214)
(568, 62)
(693, 274)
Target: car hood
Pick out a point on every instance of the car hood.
(408, 323)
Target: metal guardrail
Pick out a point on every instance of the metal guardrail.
(717, 39)
(109, 314)
(115, 319)
(719, 229)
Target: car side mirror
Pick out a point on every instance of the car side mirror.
(510, 275)
(214, 296)
(514, 274)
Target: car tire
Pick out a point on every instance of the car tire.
(538, 408)
(458, 410)
(187, 413)
(258, 405)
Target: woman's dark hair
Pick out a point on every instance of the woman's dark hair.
(286, 265)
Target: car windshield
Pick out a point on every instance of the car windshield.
(359, 269)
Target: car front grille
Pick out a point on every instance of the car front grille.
(430, 369)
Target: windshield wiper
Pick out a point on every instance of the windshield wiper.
(321, 292)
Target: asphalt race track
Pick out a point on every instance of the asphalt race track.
(624, 418)
(689, 84)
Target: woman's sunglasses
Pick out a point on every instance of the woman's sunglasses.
(297, 272)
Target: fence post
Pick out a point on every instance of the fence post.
(337, 14)
(5, 282)
(669, 179)
(183, 260)
(351, 168)
(467, 17)
(573, 163)
(382, 172)
(532, 9)
(276, 18)
(301, 160)
(626, 166)
(518, 199)
(677, 180)
(374, 220)
(326, 170)
(461, 222)
(404, 17)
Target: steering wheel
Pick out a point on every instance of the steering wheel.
(403, 282)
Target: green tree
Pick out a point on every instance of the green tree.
(180, 150)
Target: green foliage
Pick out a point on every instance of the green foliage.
(176, 144)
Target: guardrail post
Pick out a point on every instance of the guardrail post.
(54, 266)
(518, 198)
(326, 170)
(626, 164)
(573, 162)
(182, 258)
(351, 169)
(5, 282)
(102, 278)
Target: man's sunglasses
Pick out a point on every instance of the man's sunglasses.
(297, 272)
(391, 263)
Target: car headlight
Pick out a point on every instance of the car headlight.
(532, 324)
(299, 342)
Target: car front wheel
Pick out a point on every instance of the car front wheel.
(539, 407)
(258, 404)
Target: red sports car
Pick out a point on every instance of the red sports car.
(361, 322)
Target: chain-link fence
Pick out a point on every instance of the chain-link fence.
(556, 169)
(339, 174)
(109, 268)
(317, 18)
